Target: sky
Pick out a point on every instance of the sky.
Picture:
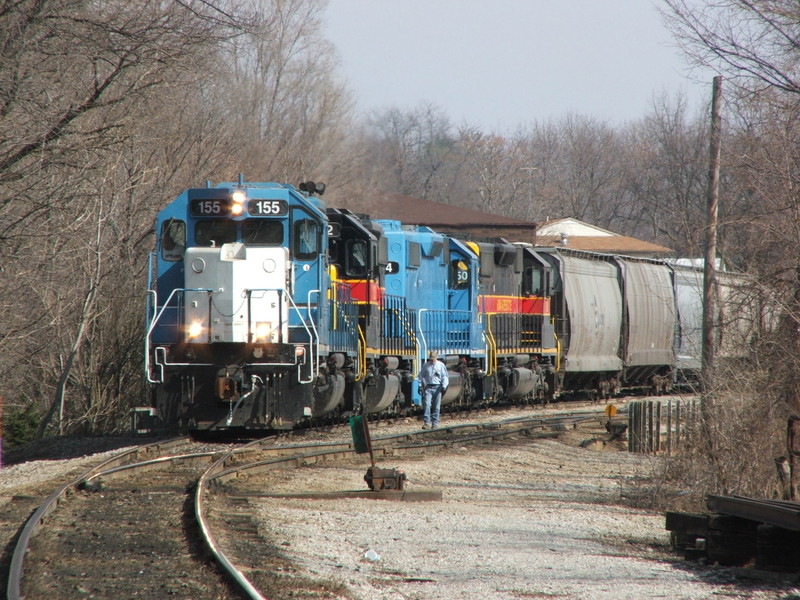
(500, 64)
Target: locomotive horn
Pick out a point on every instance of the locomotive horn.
(312, 188)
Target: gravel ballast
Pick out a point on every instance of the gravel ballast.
(537, 519)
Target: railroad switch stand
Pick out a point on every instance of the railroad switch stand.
(384, 479)
(377, 479)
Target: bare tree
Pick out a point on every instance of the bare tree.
(665, 160)
(77, 80)
(284, 102)
(413, 151)
(498, 171)
(756, 46)
(107, 111)
(590, 172)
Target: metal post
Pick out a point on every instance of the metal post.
(709, 271)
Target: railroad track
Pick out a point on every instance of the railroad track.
(111, 525)
(144, 522)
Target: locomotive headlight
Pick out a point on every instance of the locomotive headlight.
(238, 198)
(195, 329)
(263, 331)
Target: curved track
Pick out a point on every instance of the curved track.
(67, 551)
(221, 497)
(130, 526)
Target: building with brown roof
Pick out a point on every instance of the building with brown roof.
(577, 235)
(561, 233)
(455, 220)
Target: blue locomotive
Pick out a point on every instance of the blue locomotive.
(266, 309)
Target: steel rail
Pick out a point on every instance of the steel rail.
(220, 471)
(34, 523)
(288, 456)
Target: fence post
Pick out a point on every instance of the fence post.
(658, 426)
(669, 427)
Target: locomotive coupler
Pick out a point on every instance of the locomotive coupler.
(384, 479)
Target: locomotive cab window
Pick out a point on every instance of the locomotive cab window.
(173, 240)
(264, 232)
(459, 275)
(356, 258)
(532, 282)
(306, 239)
(214, 233)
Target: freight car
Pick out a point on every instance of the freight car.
(266, 309)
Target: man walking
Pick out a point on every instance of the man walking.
(433, 382)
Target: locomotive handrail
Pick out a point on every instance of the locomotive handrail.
(351, 322)
(159, 363)
(154, 321)
(314, 365)
(311, 338)
(558, 351)
(361, 355)
(148, 364)
(450, 323)
(150, 292)
(491, 347)
(419, 336)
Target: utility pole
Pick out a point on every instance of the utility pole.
(709, 272)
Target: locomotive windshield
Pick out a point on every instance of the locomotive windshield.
(262, 232)
(356, 259)
(214, 233)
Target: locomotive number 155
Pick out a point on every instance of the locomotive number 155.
(209, 208)
(268, 208)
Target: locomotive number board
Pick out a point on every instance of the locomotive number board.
(268, 208)
(221, 207)
(210, 208)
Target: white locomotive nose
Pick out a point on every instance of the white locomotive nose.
(245, 305)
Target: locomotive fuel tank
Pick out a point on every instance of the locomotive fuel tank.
(380, 392)
(521, 383)
(454, 389)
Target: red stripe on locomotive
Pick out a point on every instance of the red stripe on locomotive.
(515, 304)
(364, 290)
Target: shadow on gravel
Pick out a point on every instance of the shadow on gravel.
(8, 551)
(58, 448)
(742, 581)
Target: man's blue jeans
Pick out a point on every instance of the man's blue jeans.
(432, 397)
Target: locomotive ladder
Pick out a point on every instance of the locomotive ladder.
(491, 347)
